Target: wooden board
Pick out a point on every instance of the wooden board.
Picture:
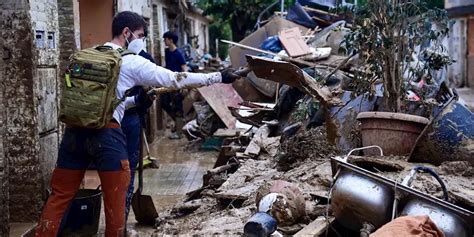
(220, 97)
(293, 42)
(315, 228)
(292, 75)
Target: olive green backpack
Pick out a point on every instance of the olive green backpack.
(88, 95)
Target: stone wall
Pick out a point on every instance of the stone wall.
(4, 227)
(20, 142)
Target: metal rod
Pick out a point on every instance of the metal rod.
(285, 58)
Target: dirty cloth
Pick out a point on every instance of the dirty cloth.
(409, 226)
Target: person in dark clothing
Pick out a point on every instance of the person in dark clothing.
(172, 102)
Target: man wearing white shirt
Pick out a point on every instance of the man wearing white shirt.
(106, 147)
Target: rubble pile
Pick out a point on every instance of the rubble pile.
(277, 173)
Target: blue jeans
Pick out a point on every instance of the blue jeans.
(131, 127)
(103, 148)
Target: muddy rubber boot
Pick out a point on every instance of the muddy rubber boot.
(114, 187)
(64, 185)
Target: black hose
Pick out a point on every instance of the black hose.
(436, 176)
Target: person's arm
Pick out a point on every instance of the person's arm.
(147, 73)
(184, 68)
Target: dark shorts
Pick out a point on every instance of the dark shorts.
(104, 149)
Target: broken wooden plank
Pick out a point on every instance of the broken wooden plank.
(315, 228)
(227, 132)
(292, 75)
(293, 43)
(241, 155)
(234, 149)
(195, 194)
(220, 97)
(221, 169)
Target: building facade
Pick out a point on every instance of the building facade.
(461, 43)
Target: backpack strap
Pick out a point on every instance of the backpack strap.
(124, 52)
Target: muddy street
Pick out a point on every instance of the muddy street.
(180, 172)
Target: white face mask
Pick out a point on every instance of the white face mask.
(137, 45)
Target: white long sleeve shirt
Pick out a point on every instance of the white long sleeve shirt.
(138, 71)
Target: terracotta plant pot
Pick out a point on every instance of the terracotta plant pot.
(396, 133)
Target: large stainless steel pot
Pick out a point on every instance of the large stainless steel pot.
(357, 199)
(445, 218)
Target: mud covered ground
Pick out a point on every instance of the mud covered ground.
(305, 161)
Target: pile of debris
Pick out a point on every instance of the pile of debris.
(283, 166)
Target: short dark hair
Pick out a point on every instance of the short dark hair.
(172, 36)
(127, 19)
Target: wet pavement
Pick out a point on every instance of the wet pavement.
(180, 171)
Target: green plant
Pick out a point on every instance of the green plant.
(219, 29)
(241, 15)
(390, 38)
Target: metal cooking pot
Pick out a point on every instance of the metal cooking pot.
(357, 199)
(446, 220)
(442, 215)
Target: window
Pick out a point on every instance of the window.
(39, 39)
(51, 40)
